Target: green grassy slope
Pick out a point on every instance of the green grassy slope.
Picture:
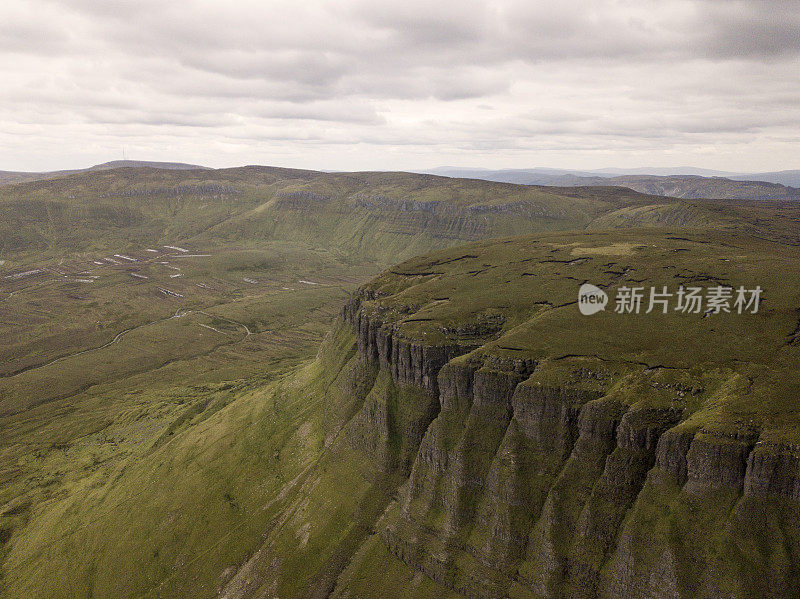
(716, 377)
(89, 403)
(742, 187)
(26, 177)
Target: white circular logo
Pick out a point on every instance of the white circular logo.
(591, 299)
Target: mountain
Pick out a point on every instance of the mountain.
(695, 187)
(533, 173)
(385, 216)
(23, 177)
(664, 171)
(789, 178)
(465, 432)
(690, 186)
(534, 176)
(179, 166)
(376, 214)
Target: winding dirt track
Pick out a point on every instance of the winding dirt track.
(178, 314)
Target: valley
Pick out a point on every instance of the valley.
(170, 426)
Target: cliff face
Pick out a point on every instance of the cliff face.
(541, 478)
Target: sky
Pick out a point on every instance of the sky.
(374, 85)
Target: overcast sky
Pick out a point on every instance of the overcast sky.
(354, 85)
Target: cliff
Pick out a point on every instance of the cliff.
(542, 474)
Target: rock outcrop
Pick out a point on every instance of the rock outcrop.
(521, 485)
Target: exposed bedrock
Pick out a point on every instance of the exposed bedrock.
(625, 471)
(520, 485)
(546, 565)
(409, 362)
(405, 397)
(717, 461)
(539, 439)
(773, 470)
(673, 447)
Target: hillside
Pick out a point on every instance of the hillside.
(349, 211)
(694, 187)
(789, 178)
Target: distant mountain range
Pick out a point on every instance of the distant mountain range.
(24, 177)
(686, 182)
(528, 176)
(679, 182)
(695, 187)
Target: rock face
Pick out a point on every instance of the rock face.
(773, 471)
(524, 484)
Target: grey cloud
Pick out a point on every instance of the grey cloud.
(156, 118)
(25, 38)
(373, 48)
(410, 78)
(752, 29)
(300, 66)
(316, 111)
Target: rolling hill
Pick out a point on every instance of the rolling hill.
(464, 431)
